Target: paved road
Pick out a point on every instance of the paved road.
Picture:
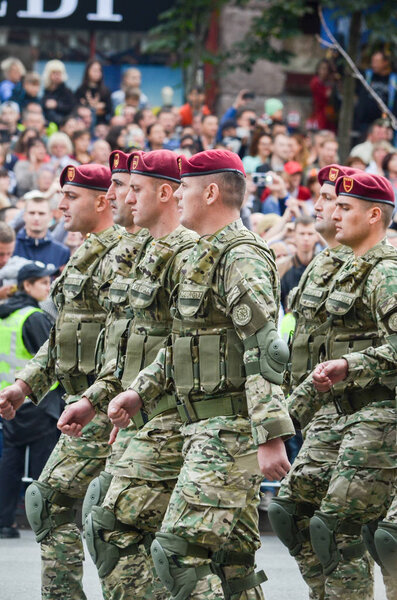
(20, 572)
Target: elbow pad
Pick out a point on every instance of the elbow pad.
(273, 354)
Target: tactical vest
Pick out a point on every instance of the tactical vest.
(149, 302)
(353, 329)
(307, 302)
(81, 315)
(205, 360)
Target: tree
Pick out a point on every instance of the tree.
(275, 25)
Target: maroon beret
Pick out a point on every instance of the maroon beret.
(330, 173)
(364, 186)
(118, 161)
(209, 162)
(157, 163)
(93, 177)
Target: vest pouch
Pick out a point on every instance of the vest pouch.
(66, 344)
(190, 299)
(87, 339)
(183, 365)
(113, 338)
(313, 298)
(153, 343)
(292, 299)
(340, 303)
(209, 361)
(234, 359)
(118, 291)
(133, 359)
(141, 294)
(73, 285)
(300, 355)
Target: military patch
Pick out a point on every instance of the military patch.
(116, 160)
(242, 314)
(180, 165)
(135, 161)
(347, 184)
(71, 173)
(393, 322)
(333, 174)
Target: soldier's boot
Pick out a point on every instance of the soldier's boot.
(236, 571)
(51, 516)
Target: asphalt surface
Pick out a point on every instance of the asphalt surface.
(20, 572)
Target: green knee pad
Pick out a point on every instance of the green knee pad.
(232, 588)
(282, 517)
(386, 545)
(368, 533)
(38, 500)
(179, 581)
(104, 554)
(96, 492)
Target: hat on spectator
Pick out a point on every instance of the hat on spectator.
(330, 173)
(373, 188)
(118, 161)
(93, 177)
(210, 162)
(34, 270)
(272, 105)
(161, 164)
(34, 195)
(292, 166)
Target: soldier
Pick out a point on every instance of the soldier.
(362, 310)
(144, 477)
(225, 311)
(69, 357)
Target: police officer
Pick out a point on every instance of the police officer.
(362, 310)
(225, 363)
(69, 357)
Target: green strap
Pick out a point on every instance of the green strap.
(236, 586)
(62, 518)
(167, 402)
(353, 551)
(225, 557)
(216, 407)
(61, 499)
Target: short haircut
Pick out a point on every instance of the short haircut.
(231, 186)
(32, 77)
(386, 209)
(36, 199)
(205, 117)
(7, 234)
(304, 221)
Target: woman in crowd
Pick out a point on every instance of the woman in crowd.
(13, 70)
(81, 142)
(94, 93)
(58, 100)
(259, 151)
(26, 170)
(60, 149)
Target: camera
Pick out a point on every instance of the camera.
(262, 179)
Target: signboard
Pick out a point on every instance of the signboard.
(82, 14)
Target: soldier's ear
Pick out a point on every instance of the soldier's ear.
(101, 203)
(211, 193)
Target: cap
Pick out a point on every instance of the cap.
(161, 164)
(330, 173)
(272, 105)
(32, 270)
(34, 195)
(118, 161)
(292, 166)
(92, 176)
(209, 162)
(373, 188)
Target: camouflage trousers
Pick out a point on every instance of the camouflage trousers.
(71, 467)
(215, 501)
(345, 469)
(138, 495)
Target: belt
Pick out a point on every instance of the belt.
(167, 402)
(74, 384)
(350, 401)
(225, 406)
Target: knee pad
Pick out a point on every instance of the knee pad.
(235, 586)
(96, 493)
(322, 534)
(180, 581)
(368, 533)
(38, 500)
(282, 517)
(386, 545)
(104, 554)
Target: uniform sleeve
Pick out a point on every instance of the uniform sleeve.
(253, 303)
(305, 401)
(39, 373)
(105, 387)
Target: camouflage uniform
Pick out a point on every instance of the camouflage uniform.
(307, 481)
(363, 313)
(229, 292)
(143, 478)
(80, 295)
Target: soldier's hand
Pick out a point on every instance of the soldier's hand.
(273, 460)
(113, 435)
(12, 397)
(327, 374)
(75, 417)
(123, 407)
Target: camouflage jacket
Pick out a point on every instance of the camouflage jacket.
(239, 298)
(362, 304)
(80, 294)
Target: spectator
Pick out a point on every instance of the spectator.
(117, 137)
(6, 199)
(73, 241)
(131, 79)
(292, 269)
(34, 241)
(72, 123)
(377, 132)
(7, 245)
(33, 426)
(85, 114)
(321, 85)
(132, 96)
(93, 93)
(327, 153)
(26, 170)
(155, 137)
(135, 138)
(34, 120)
(379, 152)
(58, 100)
(355, 162)
(81, 142)
(45, 178)
(167, 119)
(259, 152)
(13, 70)
(295, 188)
(194, 106)
(209, 128)
(299, 151)
(61, 149)
(100, 152)
(144, 118)
(9, 116)
(28, 92)
(21, 145)
(274, 110)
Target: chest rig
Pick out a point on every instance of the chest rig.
(81, 314)
(353, 329)
(308, 306)
(205, 360)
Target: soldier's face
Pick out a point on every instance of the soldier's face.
(191, 201)
(78, 207)
(352, 221)
(142, 200)
(324, 208)
(117, 194)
